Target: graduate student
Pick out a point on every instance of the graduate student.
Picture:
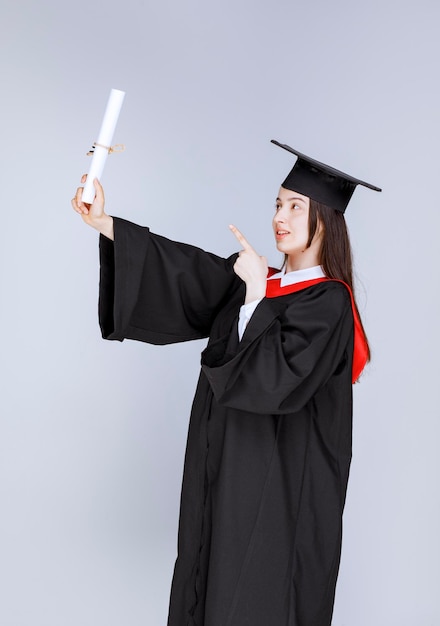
(269, 443)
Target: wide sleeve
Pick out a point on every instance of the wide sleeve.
(286, 355)
(159, 291)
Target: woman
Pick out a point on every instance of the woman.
(269, 441)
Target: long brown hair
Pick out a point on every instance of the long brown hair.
(335, 253)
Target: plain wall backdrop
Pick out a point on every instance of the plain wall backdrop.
(92, 433)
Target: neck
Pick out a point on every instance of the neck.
(301, 260)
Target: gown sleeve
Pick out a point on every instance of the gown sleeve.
(159, 291)
(285, 356)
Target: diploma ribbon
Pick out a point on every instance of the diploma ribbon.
(119, 147)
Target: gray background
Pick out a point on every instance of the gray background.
(92, 432)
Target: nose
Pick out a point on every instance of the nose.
(280, 215)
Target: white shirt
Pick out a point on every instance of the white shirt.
(287, 278)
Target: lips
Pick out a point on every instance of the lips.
(281, 234)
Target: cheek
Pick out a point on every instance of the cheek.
(303, 228)
(299, 221)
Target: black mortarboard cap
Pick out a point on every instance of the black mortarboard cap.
(321, 182)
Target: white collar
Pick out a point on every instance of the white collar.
(298, 276)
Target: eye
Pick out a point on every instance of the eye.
(277, 207)
(295, 206)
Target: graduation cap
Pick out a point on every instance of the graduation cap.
(321, 182)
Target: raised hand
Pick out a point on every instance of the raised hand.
(93, 214)
(251, 267)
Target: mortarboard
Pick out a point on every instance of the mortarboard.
(321, 182)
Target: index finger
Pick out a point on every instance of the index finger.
(241, 238)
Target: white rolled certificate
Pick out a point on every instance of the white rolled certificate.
(103, 143)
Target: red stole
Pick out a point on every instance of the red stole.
(360, 351)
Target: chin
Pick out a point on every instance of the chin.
(285, 249)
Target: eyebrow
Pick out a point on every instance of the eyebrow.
(291, 199)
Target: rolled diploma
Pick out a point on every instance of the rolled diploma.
(105, 138)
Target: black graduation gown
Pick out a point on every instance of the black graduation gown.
(269, 442)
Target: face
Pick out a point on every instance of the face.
(291, 228)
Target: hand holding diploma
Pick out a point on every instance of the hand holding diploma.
(89, 200)
(93, 214)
